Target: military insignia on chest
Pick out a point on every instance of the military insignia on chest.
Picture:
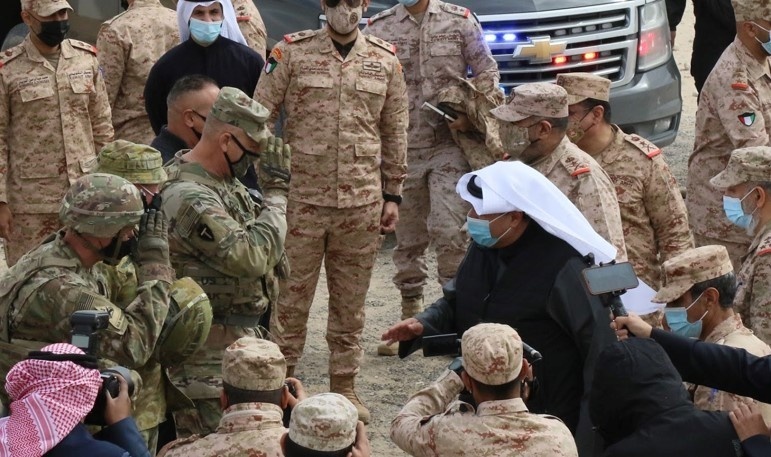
(371, 66)
(204, 232)
(747, 118)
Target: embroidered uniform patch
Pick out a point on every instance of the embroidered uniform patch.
(205, 232)
(747, 118)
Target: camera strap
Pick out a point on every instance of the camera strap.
(83, 360)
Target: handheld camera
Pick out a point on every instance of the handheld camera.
(609, 281)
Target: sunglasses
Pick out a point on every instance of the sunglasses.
(351, 3)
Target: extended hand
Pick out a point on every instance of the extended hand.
(361, 447)
(461, 124)
(118, 408)
(405, 330)
(748, 422)
(623, 325)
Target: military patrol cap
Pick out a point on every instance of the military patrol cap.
(138, 163)
(492, 353)
(692, 267)
(751, 164)
(747, 10)
(324, 422)
(254, 364)
(581, 86)
(534, 99)
(235, 108)
(45, 7)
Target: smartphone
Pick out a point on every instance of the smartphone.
(431, 107)
(610, 278)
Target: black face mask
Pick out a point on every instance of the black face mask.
(155, 203)
(52, 33)
(196, 132)
(117, 249)
(239, 168)
(124, 4)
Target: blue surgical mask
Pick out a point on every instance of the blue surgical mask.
(767, 44)
(204, 33)
(677, 320)
(732, 207)
(479, 229)
(409, 3)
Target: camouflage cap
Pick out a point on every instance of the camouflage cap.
(581, 86)
(45, 7)
(235, 108)
(747, 10)
(692, 267)
(138, 163)
(324, 422)
(492, 353)
(254, 364)
(534, 99)
(751, 164)
(101, 205)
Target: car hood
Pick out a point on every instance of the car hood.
(485, 7)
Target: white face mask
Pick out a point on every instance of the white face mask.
(344, 19)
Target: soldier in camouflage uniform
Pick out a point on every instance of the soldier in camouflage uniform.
(253, 399)
(251, 25)
(55, 83)
(346, 117)
(436, 43)
(129, 44)
(734, 112)
(324, 424)
(543, 108)
(746, 187)
(48, 284)
(494, 371)
(225, 239)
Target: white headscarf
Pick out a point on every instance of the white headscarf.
(514, 186)
(229, 30)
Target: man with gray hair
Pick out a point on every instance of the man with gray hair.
(495, 372)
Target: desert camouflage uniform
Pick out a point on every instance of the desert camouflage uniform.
(219, 237)
(653, 213)
(129, 44)
(427, 426)
(589, 187)
(435, 52)
(734, 112)
(346, 122)
(731, 332)
(251, 25)
(324, 423)
(36, 169)
(753, 296)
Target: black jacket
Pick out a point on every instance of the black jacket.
(168, 144)
(724, 368)
(535, 286)
(641, 409)
(714, 30)
(121, 439)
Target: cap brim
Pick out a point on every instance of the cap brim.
(723, 180)
(508, 114)
(258, 134)
(573, 99)
(670, 293)
(53, 8)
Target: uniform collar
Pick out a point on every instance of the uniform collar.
(34, 54)
(762, 237)
(326, 46)
(755, 70)
(499, 407)
(141, 3)
(251, 416)
(546, 164)
(433, 8)
(607, 155)
(725, 328)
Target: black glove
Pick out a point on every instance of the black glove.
(275, 166)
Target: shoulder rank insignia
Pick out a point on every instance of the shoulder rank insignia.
(382, 43)
(456, 10)
(381, 15)
(740, 86)
(299, 36)
(580, 171)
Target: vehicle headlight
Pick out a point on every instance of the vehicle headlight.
(653, 48)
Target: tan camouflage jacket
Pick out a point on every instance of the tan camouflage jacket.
(251, 25)
(753, 294)
(652, 210)
(69, 103)
(731, 332)
(346, 119)
(246, 429)
(734, 112)
(129, 44)
(589, 187)
(434, 54)
(431, 424)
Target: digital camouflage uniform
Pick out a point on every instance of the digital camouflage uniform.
(230, 245)
(129, 44)
(347, 124)
(48, 284)
(251, 25)
(435, 50)
(734, 112)
(433, 424)
(573, 171)
(323, 423)
(36, 169)
(246, 429)
(653, 213)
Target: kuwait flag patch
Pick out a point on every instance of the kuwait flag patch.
(747, 119)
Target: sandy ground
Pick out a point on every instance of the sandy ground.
(385, 383)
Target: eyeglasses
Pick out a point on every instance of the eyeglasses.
(199, 114)
(351, 3)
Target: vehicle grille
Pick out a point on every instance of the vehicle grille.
(607, 31)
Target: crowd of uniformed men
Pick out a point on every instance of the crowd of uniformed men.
(142, 177)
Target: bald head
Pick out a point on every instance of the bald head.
(189, 103)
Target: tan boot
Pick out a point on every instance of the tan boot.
(410, 307)
(343, 385)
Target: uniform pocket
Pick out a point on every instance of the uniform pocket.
(445, 48)
(315, 82)
(373, 87)
(81, 83)
(31, 93)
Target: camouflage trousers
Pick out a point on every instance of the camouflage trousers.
(28, 231)
(150, 402)
(431, 213)
(735, 250)
(347, 241)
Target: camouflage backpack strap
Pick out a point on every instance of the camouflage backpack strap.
(300, 36)
(646, 147)
(381, 15)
